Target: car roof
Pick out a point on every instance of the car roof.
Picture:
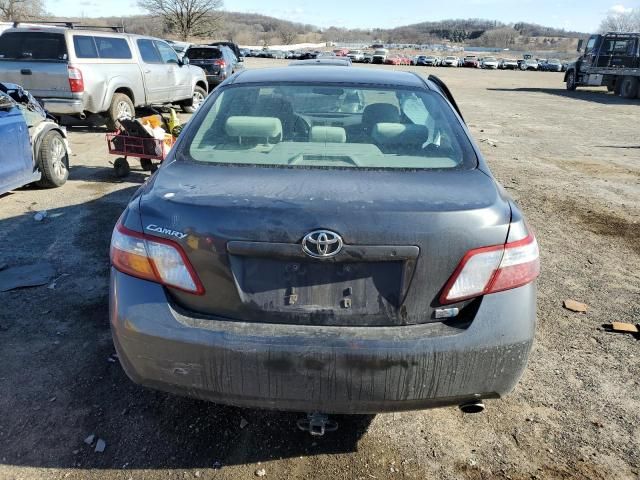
(336, 62)
(80, 31)
(323, 74)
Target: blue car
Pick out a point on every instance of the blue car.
(34, 146)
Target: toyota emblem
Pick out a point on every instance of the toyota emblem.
(322, 244)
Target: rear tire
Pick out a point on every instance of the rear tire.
(121, 107)
(571, 80)
(629, 87)
(199, 95)
(53, 161)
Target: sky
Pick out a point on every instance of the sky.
(582, 15)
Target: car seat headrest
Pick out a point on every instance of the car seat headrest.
(266, 128)
(328, 134)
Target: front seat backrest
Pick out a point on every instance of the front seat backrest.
(379, 113)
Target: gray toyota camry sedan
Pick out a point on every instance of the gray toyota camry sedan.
(325, 240)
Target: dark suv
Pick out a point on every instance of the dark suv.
(218, 63)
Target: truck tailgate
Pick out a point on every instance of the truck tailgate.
(41, 79)
(37, 60)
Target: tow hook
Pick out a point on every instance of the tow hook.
(317, 424)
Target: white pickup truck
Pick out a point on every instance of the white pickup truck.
(76, 71)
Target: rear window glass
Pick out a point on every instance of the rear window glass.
(100, 47)
(203, 53)
(110, 47)
(33, 46)
(317, 126)
(85, 47)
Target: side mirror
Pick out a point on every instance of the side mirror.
(241, 59)
(580, 44)
(184, 61)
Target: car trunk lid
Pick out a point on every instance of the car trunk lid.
(404, 232)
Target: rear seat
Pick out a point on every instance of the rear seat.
(322, 134)
(399, 137)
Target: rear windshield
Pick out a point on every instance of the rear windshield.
(33, 46)
(317, 126)
(203, 53)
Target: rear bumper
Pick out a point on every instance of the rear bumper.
(328, 369)
(215, 80)
(63, 106)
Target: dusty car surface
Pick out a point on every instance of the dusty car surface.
(325, 239)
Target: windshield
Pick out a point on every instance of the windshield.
(318, 126)
(490, 59)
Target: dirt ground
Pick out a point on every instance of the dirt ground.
(572, 161)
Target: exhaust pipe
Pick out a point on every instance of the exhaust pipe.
(477, 406)
(83, 116)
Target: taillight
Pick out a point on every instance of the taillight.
(154, 259)
(493, 269)
(76, 82)
(220, 63)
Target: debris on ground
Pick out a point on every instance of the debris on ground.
(39, 216)
(243, 423)
(488, 141)
(261, 472)
(575, 306)
(24, 276)
(100, 445)
(89, 439)
(624, 327)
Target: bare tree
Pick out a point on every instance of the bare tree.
(13, 10)
(287, 34)
(500, 37)
(187, 18)
(625, 21)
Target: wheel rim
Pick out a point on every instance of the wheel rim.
(123, 110)
(58, 155)
(198, 98)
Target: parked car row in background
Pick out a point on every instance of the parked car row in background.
(384, 57)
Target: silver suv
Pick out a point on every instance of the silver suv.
(75, 71)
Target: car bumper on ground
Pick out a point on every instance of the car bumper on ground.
(313, 368)
(63, 106)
